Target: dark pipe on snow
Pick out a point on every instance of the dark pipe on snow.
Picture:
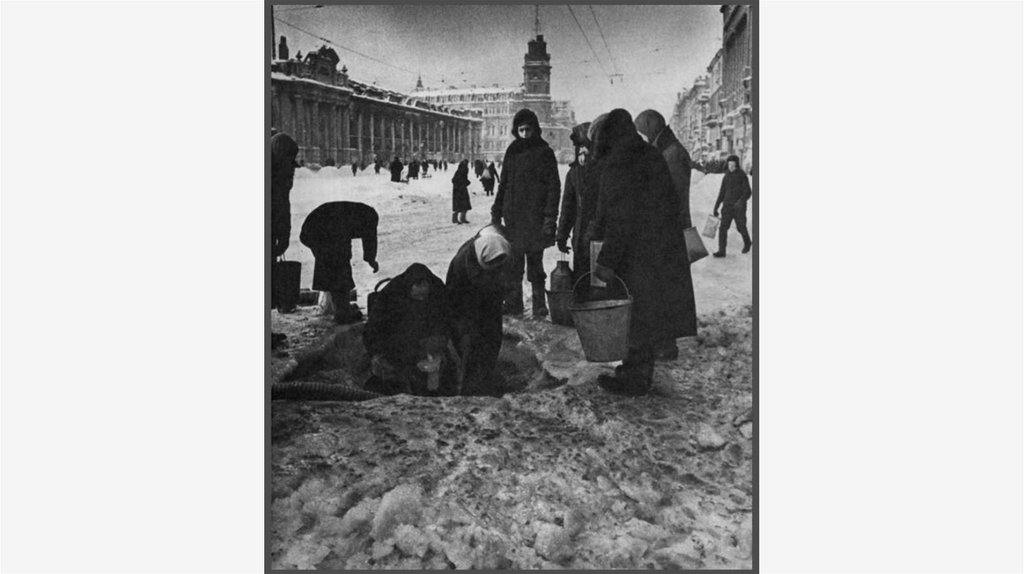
(313, 391)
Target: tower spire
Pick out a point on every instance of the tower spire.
(536, 19)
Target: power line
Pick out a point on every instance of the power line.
(605, 40)
(587, 39)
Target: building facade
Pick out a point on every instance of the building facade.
(720, 103)
(498, 105)
(336, 120)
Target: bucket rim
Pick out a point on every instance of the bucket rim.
(602, 305)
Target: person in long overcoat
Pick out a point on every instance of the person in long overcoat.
(414, 169)
(408, 331)
(638, 221)
(488, 178)
(283, 151)
(460, 193)
(478, 167)
(527, 201)
(328, 232)
(579, 204)
(732, 198)
(652, 126)
(396, 169)
(475, 293)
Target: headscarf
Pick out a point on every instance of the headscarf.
(594, 132)
(525, 116)
(579, 135)
(492, 250)
(617, 130)
(651, 124)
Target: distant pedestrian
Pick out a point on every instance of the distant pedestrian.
(643, 245)
(478, 168)
(732, 198)
(460, 193)
(283, 151)
(355, 168)
(396, 170)
(487, 179)
(414, 169)
(527, 201)
(475, 293)
(328, 232)
(376, 166)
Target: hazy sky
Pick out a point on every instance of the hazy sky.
(658, 49)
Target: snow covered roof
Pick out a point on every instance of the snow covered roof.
(465, 91)
(282, 77)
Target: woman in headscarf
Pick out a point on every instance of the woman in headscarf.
(460, 193)
(578, 207)
(643, 245)
(475, 293)
(408, 336)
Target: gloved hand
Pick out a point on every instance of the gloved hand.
(604, 273)
(715, 213)
(374, 265)
(563, 246)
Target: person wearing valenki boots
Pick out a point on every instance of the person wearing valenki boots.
(732, 198)
(527, 200)
(638, 220)
(460, 193)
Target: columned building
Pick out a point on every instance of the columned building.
(498, 105)
(336, 120)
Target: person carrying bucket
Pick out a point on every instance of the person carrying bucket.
(638, 221)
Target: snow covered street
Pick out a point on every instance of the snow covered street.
(554, 472)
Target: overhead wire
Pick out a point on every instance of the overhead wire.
(611, 56)
(600, 63)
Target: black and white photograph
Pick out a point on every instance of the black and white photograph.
(512, 291)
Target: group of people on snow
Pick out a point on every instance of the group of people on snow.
(628, 188)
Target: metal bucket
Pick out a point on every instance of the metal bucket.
(603, 326)
(559, 303)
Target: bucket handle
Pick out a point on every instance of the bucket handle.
(381, 282)
(626, 287)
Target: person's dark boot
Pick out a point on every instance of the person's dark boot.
(346, 314)
(625, 382)
(719, 254)
(455, 217)
(540, 307)
(462, 218)
(746, 248)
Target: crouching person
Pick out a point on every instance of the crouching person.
(328, 231)
(475, 296)
(408, 337)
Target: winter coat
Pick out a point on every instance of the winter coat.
(678, 161)
(460, 189)
(414, 169)
(396, 170)
(283, 151)
(397, 324)
(475, 300)
(478, 168)
(579, 207)
(643, 241)
(328, 231)
(734, 193)
(528, 191)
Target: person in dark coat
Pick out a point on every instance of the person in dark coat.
(651, 125)
(328, 231)
(355, 168)
(638, 220)
(376, 166)
(396, 169)
(283, 151)
(527, 201)
(488, 178)
(732, 198)
(408, 336)
(414, 169)
(475, 292)
(478, 167)
(460, 193)
(579, 204)
(424, 166)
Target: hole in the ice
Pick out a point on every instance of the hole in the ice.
(342, 359)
